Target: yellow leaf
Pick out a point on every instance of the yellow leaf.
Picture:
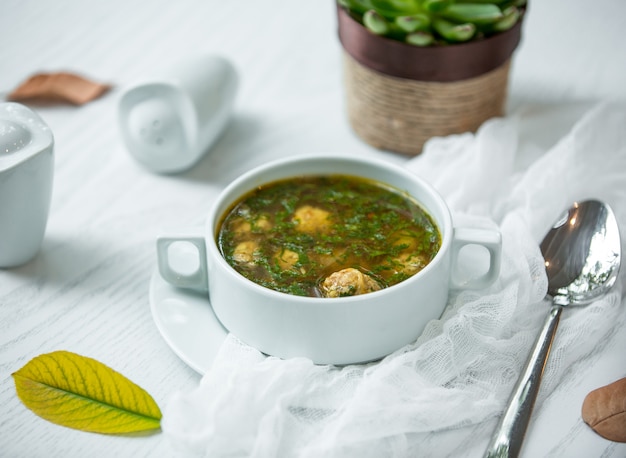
(82, 393)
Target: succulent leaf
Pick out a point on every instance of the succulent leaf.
(435, 5)
(420, 39)
(375, 23)
(358, 7)
(412, 23)
(389, 9)
(476, 13)
(509, 19)
(454, 32)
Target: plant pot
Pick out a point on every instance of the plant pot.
(399, 95)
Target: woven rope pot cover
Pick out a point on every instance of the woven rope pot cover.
(399, 95)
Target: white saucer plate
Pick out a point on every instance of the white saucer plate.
(187, 323)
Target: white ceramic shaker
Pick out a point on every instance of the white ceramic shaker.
(26, 175)
(169, 121)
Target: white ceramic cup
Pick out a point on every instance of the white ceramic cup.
(328, 330)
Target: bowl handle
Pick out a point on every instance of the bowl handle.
(182, 261)
(491, 240)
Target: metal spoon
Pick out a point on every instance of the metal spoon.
(582, 253)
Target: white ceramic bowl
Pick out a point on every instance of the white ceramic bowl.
(328, 330)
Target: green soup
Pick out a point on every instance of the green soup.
(327, 236)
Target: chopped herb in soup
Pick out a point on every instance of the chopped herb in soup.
(327, 236)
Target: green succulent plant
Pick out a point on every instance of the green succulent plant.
(435, 22)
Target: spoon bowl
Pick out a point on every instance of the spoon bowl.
(582, 254)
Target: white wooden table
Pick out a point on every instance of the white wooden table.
(87, 290)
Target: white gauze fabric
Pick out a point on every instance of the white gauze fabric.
(512, 173)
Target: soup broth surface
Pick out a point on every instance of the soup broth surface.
(327, 236)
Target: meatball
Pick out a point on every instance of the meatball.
(312, 219)
(287, 259)
(262, 223)
(411, 263)
(348, 282)
(246, 252)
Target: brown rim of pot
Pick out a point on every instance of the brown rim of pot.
(433, 63)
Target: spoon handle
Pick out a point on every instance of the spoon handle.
(507, 440)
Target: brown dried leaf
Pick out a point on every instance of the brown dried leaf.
(59, 87)
(604, 410)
